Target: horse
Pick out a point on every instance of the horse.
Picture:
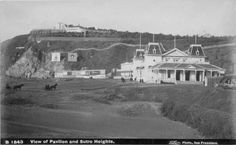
(48, 87)
(53, 87)
(18, 86)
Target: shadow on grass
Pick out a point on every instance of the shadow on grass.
(17, 101)
(25, 102)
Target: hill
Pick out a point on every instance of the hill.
(223, 56)
(41, 46)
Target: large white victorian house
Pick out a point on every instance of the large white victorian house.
(155, 65)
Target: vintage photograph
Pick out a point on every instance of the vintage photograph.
(150, 69)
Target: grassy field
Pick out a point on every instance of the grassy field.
(88, 108)
(117, 108)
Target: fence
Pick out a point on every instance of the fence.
(212, 81)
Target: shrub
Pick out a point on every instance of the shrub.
(167, 107)
(211, 123)
(216, 124)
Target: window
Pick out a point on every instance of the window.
(141, 55)
(197, 52)
(154, 51)
(69, 73)
(169, 74)
(154, 60)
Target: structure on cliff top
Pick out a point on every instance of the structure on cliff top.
(78, 28)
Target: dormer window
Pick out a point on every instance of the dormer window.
(197, 52)
(154, 51)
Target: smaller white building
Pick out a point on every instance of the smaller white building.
(70, 28)
(95, 74)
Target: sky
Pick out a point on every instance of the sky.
(177, 17)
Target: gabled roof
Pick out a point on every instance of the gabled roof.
(175, 52)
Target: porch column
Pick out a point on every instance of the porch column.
(183, 75)
(166, 74)
(203, 75)
(175, 75)
(141, 75)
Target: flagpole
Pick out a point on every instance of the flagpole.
(174, 42)
(140, 39)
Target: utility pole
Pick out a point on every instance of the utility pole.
(174, 42)
(195, 39)
(140, 40)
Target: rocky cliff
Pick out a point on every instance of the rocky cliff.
(29, 66)
(25, 66)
